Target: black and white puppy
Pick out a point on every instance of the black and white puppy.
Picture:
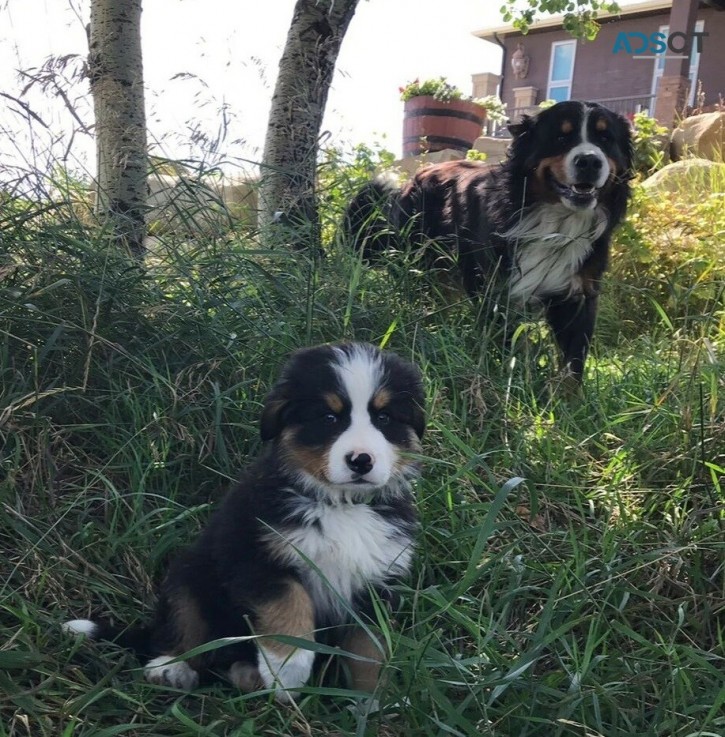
(319, 525)
(533, 231)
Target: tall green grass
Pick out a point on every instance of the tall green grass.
(569, 577)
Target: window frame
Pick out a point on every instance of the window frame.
(569, 83)
(693, 71)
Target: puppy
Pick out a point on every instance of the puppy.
(320, 524)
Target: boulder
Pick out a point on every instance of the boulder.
(494, 148)
(187, 205)
(700, 135)
(239, 197)
(410, 164)
(693, 179)
(182, 205)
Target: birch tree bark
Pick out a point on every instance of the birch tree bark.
(287, 190)
(115, 69)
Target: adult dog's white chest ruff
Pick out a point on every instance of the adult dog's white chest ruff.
(342, 549)
(550, 244)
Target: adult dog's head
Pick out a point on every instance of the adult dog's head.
(345, 417)
(573, 152)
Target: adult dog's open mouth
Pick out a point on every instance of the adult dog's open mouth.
(581, 194)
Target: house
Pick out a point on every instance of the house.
(625, 68)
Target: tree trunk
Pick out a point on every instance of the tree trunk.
(115, 69)
(289, 164)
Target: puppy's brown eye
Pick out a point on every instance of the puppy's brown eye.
(329, 418)
(383, 418)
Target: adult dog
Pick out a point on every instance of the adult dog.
(536, 227)
(322, 519)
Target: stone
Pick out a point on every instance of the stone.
(189, 206)
(690, 178)
(410, 164)
(494, 148)
(700, 135)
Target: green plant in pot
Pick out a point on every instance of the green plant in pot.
(439, 116)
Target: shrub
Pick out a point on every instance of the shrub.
(650, 140)
(474, 155)
(668, 264)
(439, 88)
(341, 173)
(495, 108)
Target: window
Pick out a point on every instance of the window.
(561, 70)
(694, 65)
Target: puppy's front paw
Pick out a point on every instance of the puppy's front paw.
(163, 672)
(245, 676)
(284, 672)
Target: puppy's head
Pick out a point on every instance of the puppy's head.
(343, 416)
(575, 151)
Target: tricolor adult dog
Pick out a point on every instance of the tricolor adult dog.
(534, 230)
(319, 525)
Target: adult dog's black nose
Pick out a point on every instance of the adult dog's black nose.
(360, 463)
(587, 167)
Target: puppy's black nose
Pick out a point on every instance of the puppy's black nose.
(361, 463)
(587, 167)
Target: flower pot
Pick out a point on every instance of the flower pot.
(432, 125)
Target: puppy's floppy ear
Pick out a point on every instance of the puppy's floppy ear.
(272, 422)
(417, 395)
(418, 419)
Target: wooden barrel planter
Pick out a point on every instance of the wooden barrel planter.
(432, 125)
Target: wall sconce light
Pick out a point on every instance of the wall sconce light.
(520, 62)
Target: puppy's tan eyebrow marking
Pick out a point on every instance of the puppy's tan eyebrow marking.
(567, 126)
(601, 124)
(381, 399)
(334, 402)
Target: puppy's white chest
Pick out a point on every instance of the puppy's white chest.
(344, 548)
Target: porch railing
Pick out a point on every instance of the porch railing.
(626, 106)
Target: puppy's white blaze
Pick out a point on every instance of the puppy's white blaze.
(350, 545)
(360, 374)
(552, 242)
(586, 147)
(285, 674)
(81, 627)
(179, 675)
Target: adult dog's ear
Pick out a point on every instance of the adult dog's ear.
(522, 149)
(273, 414)
(523, 126)
(627, 131)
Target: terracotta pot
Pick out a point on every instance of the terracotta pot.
(432, 125)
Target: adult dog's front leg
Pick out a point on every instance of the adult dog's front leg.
(572, 321)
